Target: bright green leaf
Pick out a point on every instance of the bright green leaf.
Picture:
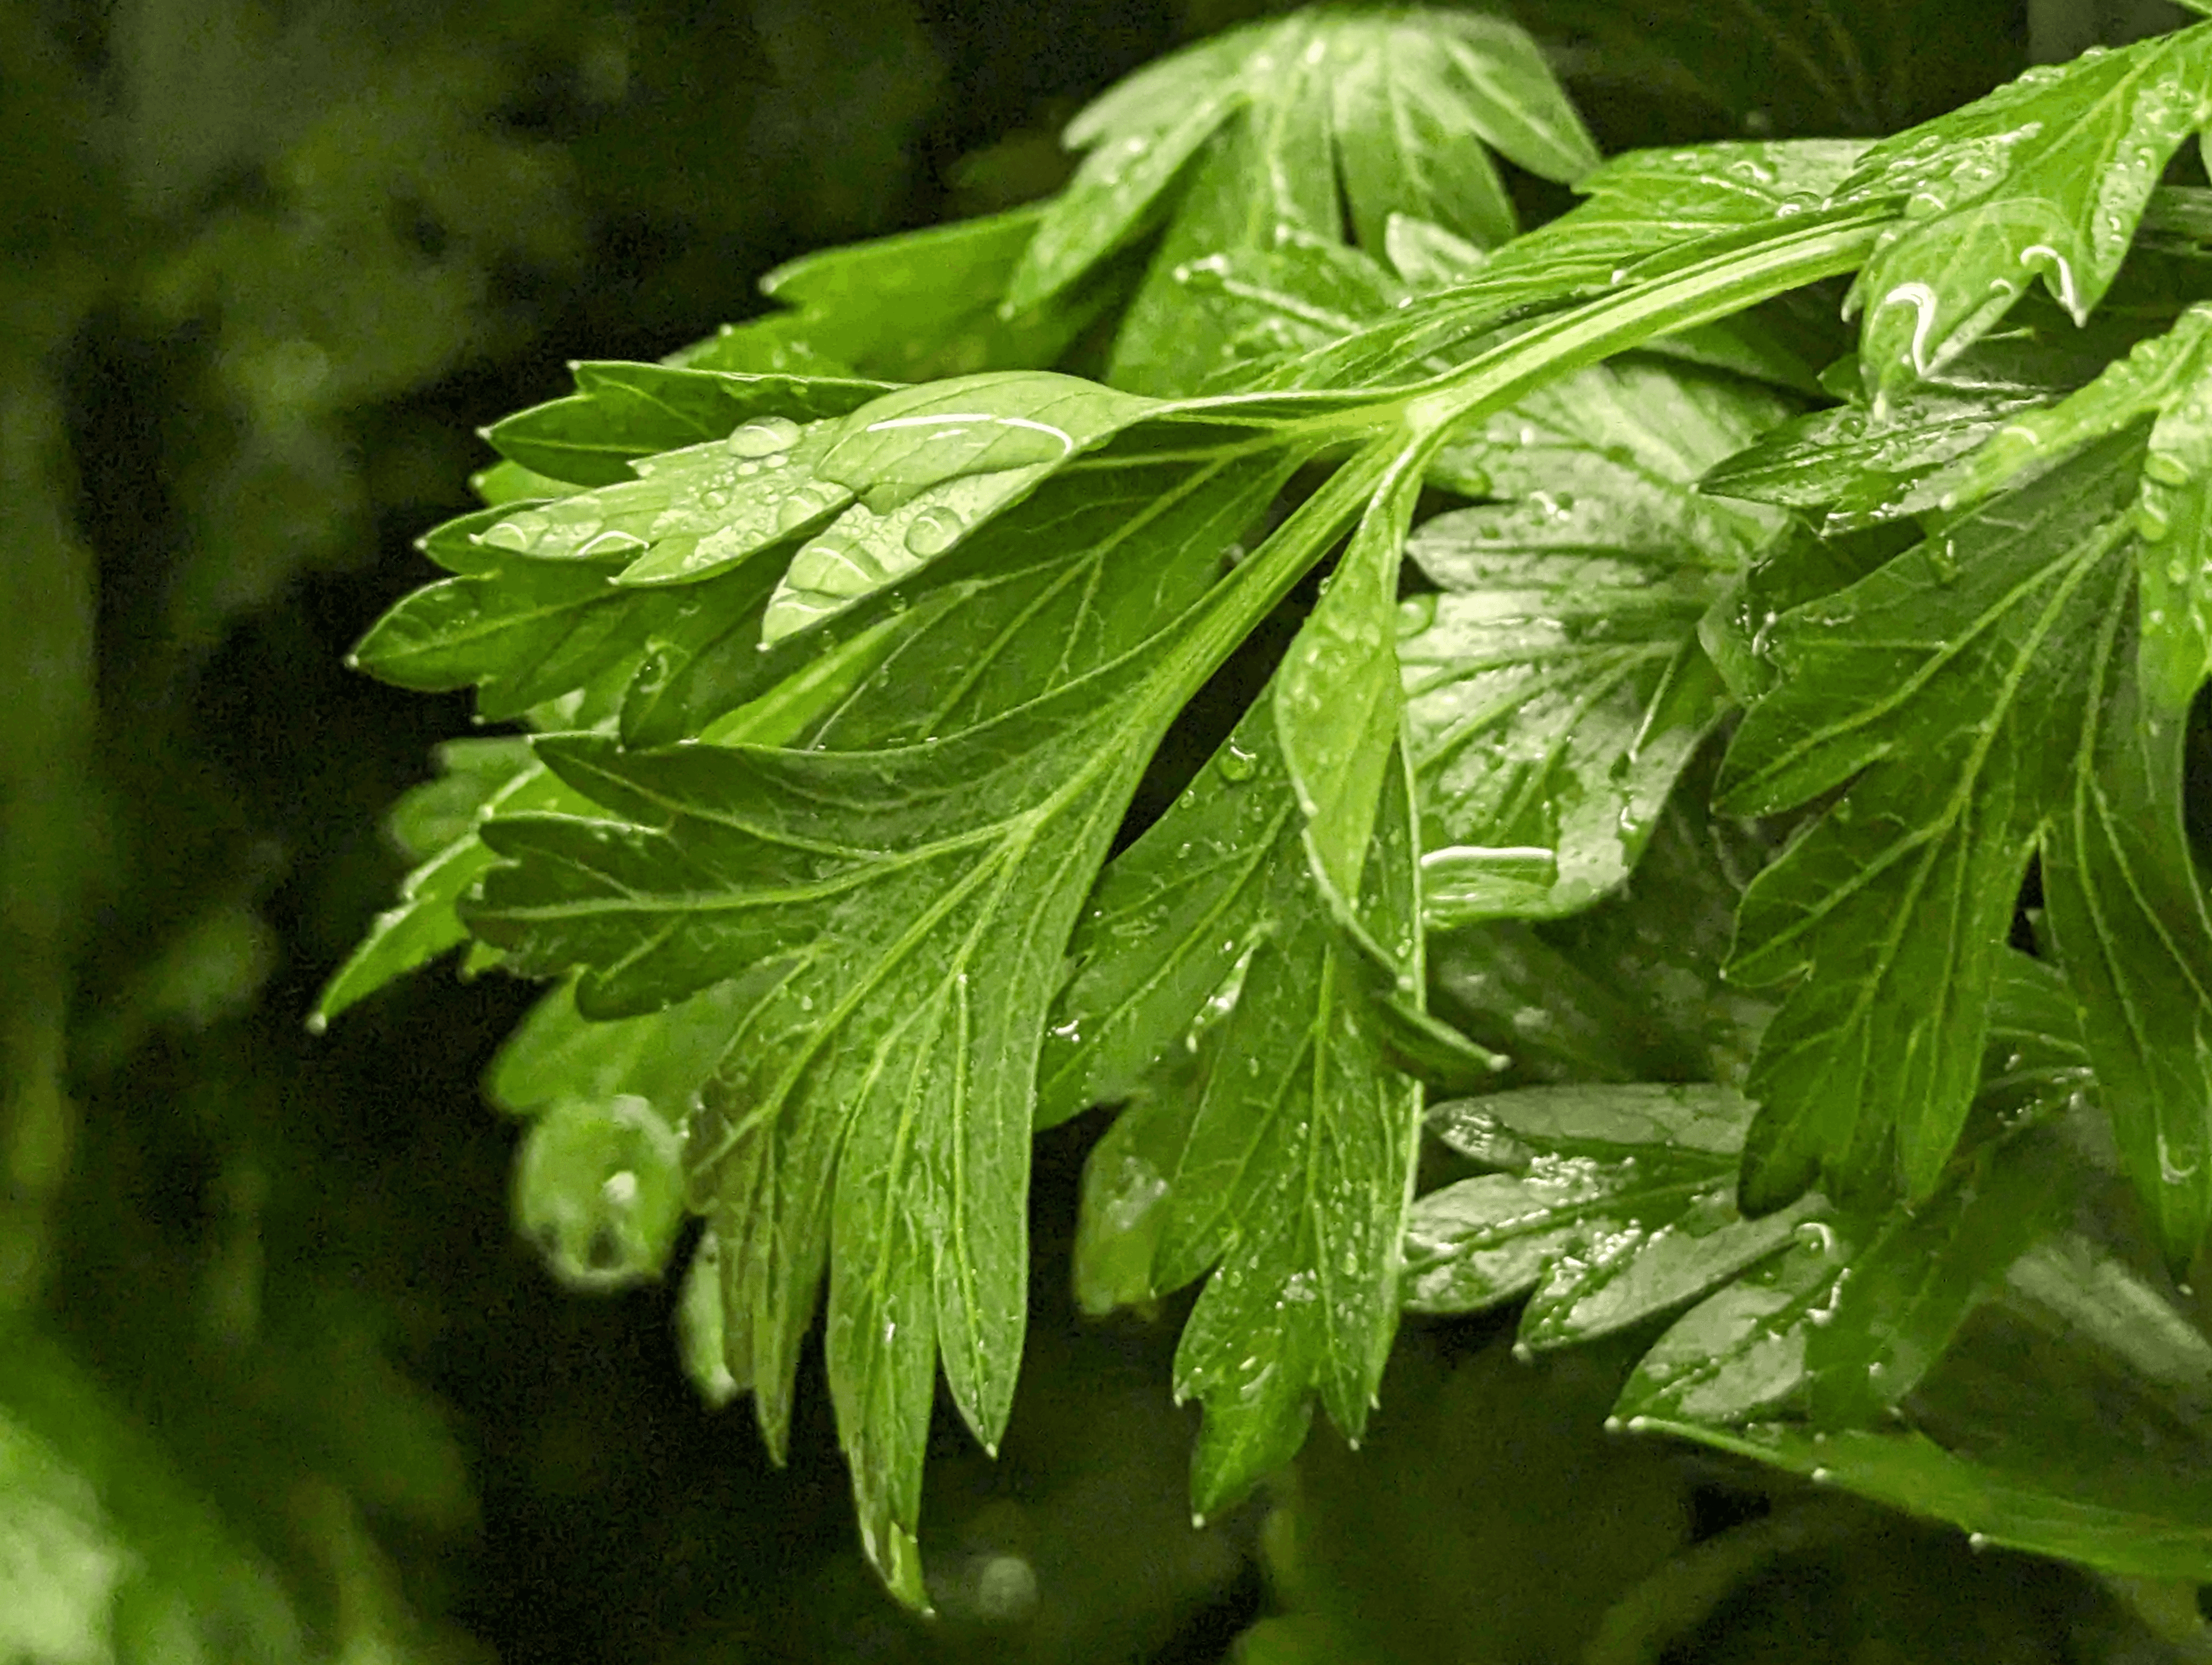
(1337, 699)
(620, 412)
(1293, 1179)
(1392, 108)
(2047, 176)
(911, 308)
(902, 954)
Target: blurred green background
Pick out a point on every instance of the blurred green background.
(278, 1379)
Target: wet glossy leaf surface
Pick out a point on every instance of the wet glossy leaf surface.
(1645, 209)
(1925, 692)
(2046, 177)
(2128, 919)
(2106, 1468)
(1405, 103)
(844, 691)
(1614, 1207)
(620, 412)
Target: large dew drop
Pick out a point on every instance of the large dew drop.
(934, 532)
(764, 438)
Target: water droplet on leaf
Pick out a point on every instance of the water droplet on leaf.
(934, 532)
(2162, 466)
(764, 437)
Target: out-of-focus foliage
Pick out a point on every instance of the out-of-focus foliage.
(247, 250)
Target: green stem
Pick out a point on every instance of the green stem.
(1821, 246)
(1247, 595)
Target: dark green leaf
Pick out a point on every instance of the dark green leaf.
(1848, 1321)
(2038, 1065)
(1257, 305)
(1167, 926)
(2130, 1396)
(1270, 1137)
(1926, 690)
(1787, 66)
(1862, 471)
(521, 635)
(2128, 914)
(2102, 1463)
(2154, 1538)
(1410, 125)
(2168, 377)
(1629, 437)
(1920, 1274)
(425, 924)
(1617, 1206)
(1508, 987)
(1656, 948)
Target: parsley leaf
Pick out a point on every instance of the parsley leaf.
(425, 924)
(911, 308)
(1399, 106)
(2104, 1464)
(1615, 1205)
(904, 909)
(2128, 915)
(1925, 692)
(1278, 1156)
(2048, 174)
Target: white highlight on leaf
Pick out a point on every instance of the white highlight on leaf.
(1066, 440)
(1922, 299)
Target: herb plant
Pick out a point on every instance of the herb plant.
(1727, 785)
